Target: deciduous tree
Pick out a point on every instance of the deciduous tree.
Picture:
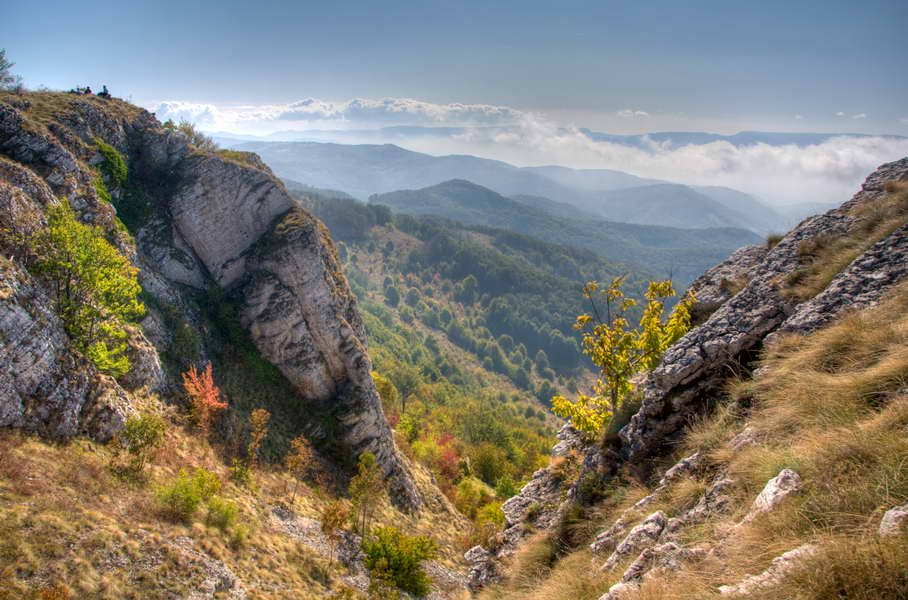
(619, 351)
(204, 396)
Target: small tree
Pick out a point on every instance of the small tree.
(95, 286)
(397, 558)
(619, 351)
(298, 461)
(8, 81)
(365, 491)
(335, 515)
(204, 397)
(258, 422)
(139, 437)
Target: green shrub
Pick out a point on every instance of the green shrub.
(181, 498)
(397, 558)
(140, 435)
(113, 166)
(222, 513)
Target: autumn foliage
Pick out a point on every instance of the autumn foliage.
(204, 396)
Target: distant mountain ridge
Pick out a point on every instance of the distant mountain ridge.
(675, 139)
(660, 249)
(366, 169)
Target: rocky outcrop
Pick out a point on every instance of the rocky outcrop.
(862, 284)
(642, 536)
(207, 220)
(44, 386)
(776, 489)
(537, 505)
(693, 369)
(302, 316)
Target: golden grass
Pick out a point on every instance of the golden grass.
(832, 406)
(825, 257)
(66, 519)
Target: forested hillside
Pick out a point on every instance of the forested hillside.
(664, 251)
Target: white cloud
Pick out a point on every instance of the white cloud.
(799, 117)
(859, 116)
(359, 111)
(200, 114)
(826, 172)
(840, 114)
(629, 113)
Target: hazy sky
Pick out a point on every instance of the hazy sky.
(536, 70)
(720, 65)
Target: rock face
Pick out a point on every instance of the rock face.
(210, 221)
(697, 364)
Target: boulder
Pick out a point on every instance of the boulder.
(894, 521)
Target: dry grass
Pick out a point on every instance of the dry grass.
(832, 406)
(825, 257)
(66, 519)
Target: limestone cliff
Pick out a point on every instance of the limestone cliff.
(199, 219)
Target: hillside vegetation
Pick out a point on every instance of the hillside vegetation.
(831, 407)
(682, 253)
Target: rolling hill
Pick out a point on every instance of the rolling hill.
(683, 252)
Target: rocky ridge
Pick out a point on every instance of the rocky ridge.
(211, 220)
(744, 306)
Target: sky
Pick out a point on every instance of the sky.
(542, 68)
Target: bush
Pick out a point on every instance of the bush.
(222, 513)
(181, 498)
(113, 166)
(397, 558)
(140, 435)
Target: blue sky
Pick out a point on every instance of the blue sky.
(534, 71)
(692, 64)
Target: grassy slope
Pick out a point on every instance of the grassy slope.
(833, 407)
(66, 519)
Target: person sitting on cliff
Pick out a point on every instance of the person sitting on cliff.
(87, 91)
(104, 93)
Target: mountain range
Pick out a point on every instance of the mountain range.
(366, 169)
(681, 252)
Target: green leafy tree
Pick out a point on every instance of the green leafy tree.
(619, 351)
(366, 490)
(392, 295)
(95, 287)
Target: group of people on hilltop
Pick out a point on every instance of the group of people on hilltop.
(86, 91)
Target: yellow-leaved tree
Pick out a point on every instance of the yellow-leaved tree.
(619, 351)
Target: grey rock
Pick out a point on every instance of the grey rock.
(695, 367)
(660, 559)
(623, 590)
(44, 386)
(776, 489)
(861, 284)
(895, 520)
(641, 536)
(781, 566)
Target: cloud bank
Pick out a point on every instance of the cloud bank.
(827, 172)
(359, 112)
